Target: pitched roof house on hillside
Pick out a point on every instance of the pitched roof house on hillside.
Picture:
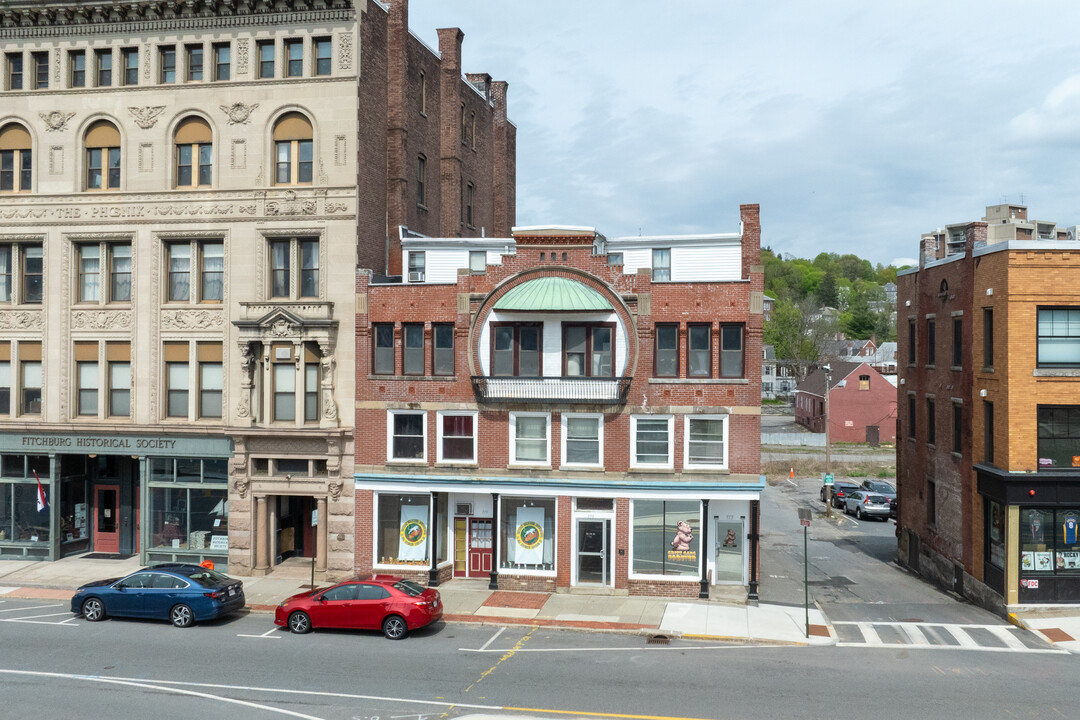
(862, 403)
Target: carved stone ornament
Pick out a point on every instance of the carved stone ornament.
(334, 207)
(100, 320)
(282, 328)
(192, 320)
(147, 116)
(335, 489)
(21, 320)
(303, 207)
(241, 488)
(238, 112)
(56, 120)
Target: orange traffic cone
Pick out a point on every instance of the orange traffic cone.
(791, 473)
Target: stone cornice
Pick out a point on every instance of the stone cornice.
(24, 19)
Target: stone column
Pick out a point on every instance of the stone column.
(262, 564)
(320, 536)
(328, 413)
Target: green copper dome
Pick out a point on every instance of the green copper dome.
(553, 294)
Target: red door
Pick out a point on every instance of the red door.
(480, 543)
(107, 518)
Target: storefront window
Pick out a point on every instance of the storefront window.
(403, 530)
(666, 537)
(189, 470)
(527, 530)
(995, 534)
(1048, 540)
(73, 517)
(189, 519)
(20, 519)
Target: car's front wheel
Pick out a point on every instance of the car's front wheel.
(181, 616)
(93, 609)
(394, 627)
(299, 623)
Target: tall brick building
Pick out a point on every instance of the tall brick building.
(555, 409)
(989, 451)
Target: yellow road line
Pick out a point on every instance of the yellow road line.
(602, 714)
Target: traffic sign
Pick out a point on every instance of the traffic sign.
(828, 479)
(804, 516)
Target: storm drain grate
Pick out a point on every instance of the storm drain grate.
(658, 640)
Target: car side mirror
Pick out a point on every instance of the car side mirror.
(320, 598)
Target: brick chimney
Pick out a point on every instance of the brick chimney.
(450, 118)
(751, 237)
(397, 185)
(504, 157)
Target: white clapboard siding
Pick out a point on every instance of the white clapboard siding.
(442, 265)
(699, 264)
(634, 259)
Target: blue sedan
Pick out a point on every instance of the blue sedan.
(181, 593)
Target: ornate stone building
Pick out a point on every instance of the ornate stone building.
(181, 187)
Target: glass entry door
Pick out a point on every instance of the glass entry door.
(593, 561)
(106, 518)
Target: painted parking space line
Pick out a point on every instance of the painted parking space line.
(266, 635)
(35, 617)
(32, 607)
(492, 639)
(36, 622)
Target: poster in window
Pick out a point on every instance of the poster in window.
(1068, 560)
(1068, 528)
(682, 544)
(529, 536)
(1027, 560)
(412, 538)
(1035, 526)
(1043, 561)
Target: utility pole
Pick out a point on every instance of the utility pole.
(828, 458)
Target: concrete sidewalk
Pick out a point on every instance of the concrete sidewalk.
(1060, 626)
(472, 601)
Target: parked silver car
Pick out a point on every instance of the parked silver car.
(866, 504)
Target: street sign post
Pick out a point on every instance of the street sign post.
(804, 520)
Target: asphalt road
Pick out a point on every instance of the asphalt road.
(53, 666)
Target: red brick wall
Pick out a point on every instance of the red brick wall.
(876, 406)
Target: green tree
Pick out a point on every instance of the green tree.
(826, 293)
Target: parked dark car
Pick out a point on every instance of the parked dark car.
(839, 489)
(378, 602)
(865, 504)
(181, 593)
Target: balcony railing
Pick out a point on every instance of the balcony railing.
(595, 391)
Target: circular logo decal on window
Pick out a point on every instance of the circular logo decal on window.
(530, 535)
(413, 532)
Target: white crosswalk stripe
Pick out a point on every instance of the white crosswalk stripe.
(937, 636)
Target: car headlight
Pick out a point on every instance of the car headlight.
(282, 605)
(78, 591)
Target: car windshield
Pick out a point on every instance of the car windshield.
(210, 577)
(875, 498)
(409, 587)
(881, 487)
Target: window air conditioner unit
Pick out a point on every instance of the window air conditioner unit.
(464, 509)
(416, 276)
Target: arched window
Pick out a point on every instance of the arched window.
(293, 149)
(102, 156)
(194, 153)
(15, 162)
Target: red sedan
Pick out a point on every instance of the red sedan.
(378, 602)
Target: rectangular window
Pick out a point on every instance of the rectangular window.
(988, 432)
(421, 179)
(383, 362)
(5, 272)
(731, 351)
(77, 68)
(87, 376)
(322, 55)
(931, 503)
(864, 382)
(931, 342)
(529, 439)
(666, 361)
(661, 265)
(1058, 337)
(118, 356)
(294, 58)
(41, 70)
(516, 349)
(266, 58)
(588, 350)
(666, 537)
(469, 204)
(1059, 437)
(651, 439)
(931, 422)
(5, 378)
(309, 268)
(311, 385)
(30, 378)
(222, 62)
(413, 358)
(211, 379)
(411, 547)
(442, 360)
(1049, 541)
(130, 58)
(284, 379)
(103, 63)
(477, 261)
(957, 342)
(15, 71)
(417, 264)
(988, 337)
(699, 351)
(167, 62)
(294, 252)
(457, 437)
(179, 272)
(212, 271)
(911, 416)
(177, 379)
(407, 433)
(614, 259)
(32, 274)
(705, 441)
(89, 273)
(194, 63)
(911, 341)
(957, 426)
(279, 269)
(582, 440)
(119, 272)
(994, 522)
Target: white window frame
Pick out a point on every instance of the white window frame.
(439, 431)
(631, 575)
(513, 440)
(390, 437)
(670, 464)
(686, 442)
(599, 417)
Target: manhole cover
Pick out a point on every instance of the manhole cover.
(658, 640)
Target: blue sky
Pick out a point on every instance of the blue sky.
(856, 126)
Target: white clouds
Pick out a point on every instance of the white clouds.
(1057, 119)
